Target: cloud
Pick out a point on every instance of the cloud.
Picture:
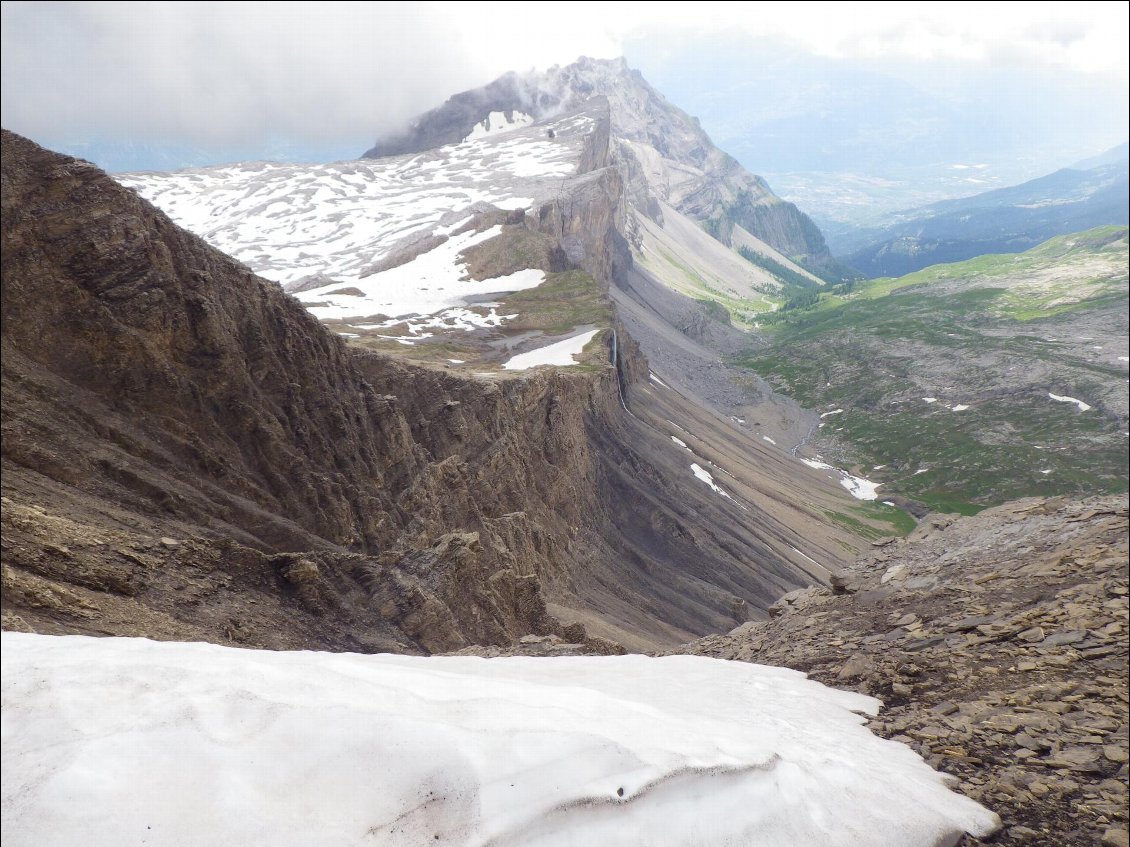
(249, 73)
(225, 72)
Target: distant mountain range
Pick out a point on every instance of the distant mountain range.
(1092, 193)
(846, 138)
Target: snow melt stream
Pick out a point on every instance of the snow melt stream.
(111, 741)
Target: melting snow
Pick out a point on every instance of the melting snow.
(707, 477)
(497, 122)
(1082, 406)
(860, 488)
(562, 353)
(795, 550)
(857, 486)
(293, 222)
(430, 283)
(108, 741)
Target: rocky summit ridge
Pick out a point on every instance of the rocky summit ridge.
(670, 160)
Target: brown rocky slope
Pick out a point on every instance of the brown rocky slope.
(188, 454)
(999, 644)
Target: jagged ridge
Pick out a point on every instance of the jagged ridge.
(714, 190)
(309, 493)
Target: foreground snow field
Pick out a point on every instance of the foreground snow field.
(118, 741)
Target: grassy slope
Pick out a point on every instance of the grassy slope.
(977, 327)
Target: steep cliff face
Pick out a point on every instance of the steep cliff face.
(666, 158)
(189, 454)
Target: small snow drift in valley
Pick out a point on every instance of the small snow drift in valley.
(1061, 399)
(111, 741)
(497, 122)
(561, 353)
(859, 487)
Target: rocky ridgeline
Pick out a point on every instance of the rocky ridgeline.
(999, 646)
(321, 496)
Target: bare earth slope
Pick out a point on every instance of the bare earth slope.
(999, 645)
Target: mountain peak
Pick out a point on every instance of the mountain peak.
(664, 154)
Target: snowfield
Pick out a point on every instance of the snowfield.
(433, 282)
(333, 223)
(859, 487)
(112, 741)
(561, 353)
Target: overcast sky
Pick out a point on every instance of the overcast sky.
(249, 75)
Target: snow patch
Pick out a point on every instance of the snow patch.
(1061, 399)
(860, 488)
(199, 744)
(770, 440)
(657, 380)
(706, 476)
(680, 442)
(857, 486)
(430, 283)
(833, 412)
(960, 407)
(930, 399)
(562, 353)
(795, 550)
(497, 122)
